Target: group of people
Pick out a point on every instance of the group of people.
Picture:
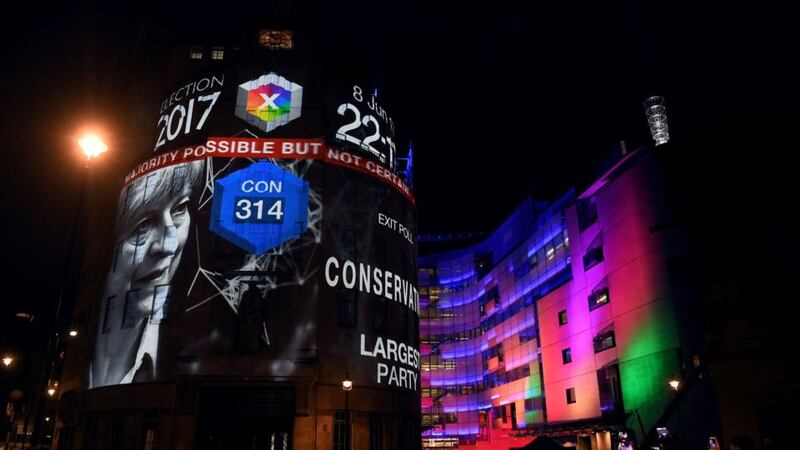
(740, 442)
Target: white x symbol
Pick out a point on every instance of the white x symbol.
(269, 101)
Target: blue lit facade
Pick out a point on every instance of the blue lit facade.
(478, 333)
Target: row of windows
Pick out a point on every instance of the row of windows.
(438, 339)
(343, 432)
(347, 299)
(438, 419)
(546, 252)
(506, 313)
(197, 53)
(447, 364)
(347, 313)
(527, 334)
(460, 389)
(131, 312)
(587, 212)
(603, 341)
(596, 299)
(492, 352)
(593, 256)
(448, 391)
(500, 378)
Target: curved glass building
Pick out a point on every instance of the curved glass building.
(567, 321)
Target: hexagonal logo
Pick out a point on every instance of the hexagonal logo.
(259, 207)
(269, 101)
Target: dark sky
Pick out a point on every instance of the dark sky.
(502, 99)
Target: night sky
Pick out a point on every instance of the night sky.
(502, 100)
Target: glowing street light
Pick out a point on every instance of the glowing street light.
(51, 392)
(73, 333)
(347, 384)
(92, 146)
(674, 383)
(7, 360)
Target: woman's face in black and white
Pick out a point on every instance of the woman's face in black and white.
(152, 242)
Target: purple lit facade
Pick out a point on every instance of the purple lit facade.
(562, 322)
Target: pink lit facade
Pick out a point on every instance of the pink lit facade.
(561, 322)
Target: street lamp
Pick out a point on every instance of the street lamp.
(92, 146)
(675, 384)
(347, 386)
(7, 360)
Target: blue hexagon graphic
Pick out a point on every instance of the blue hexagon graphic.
(259, 207)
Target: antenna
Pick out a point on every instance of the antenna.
(656, 114)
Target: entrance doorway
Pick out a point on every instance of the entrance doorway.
(245, 418)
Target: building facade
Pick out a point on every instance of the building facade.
(256, 287)
(563, 322)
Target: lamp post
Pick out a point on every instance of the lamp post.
(347, 386)
(675, 384)
(92, 146)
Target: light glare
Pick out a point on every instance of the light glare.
(92, 146)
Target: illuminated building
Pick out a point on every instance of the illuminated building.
(258, 252)
(565, 321)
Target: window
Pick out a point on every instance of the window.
(115, 432)
(500, 411)
(587, 212)
(129, 313)
(160, 303)
(178, 179)
(610, 389)
(566, 356)
(527, 334)
(150, 184)
(128, 198)
(275, 39)
(599, 296)
(483, 264)
(375, 431)
(571, 395)
(341, 430)
(170, 244)
(562, 317)
(196, 52)
(140, 249)
(404, 322)
(117, 255)
(347, 245)
(533, 404)
(110, 306)
(594, 254)
(379, 315)
(604, 341)
(217, 53)
(346, 308)
(147, 440)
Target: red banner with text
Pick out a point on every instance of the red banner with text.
(263, 148)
